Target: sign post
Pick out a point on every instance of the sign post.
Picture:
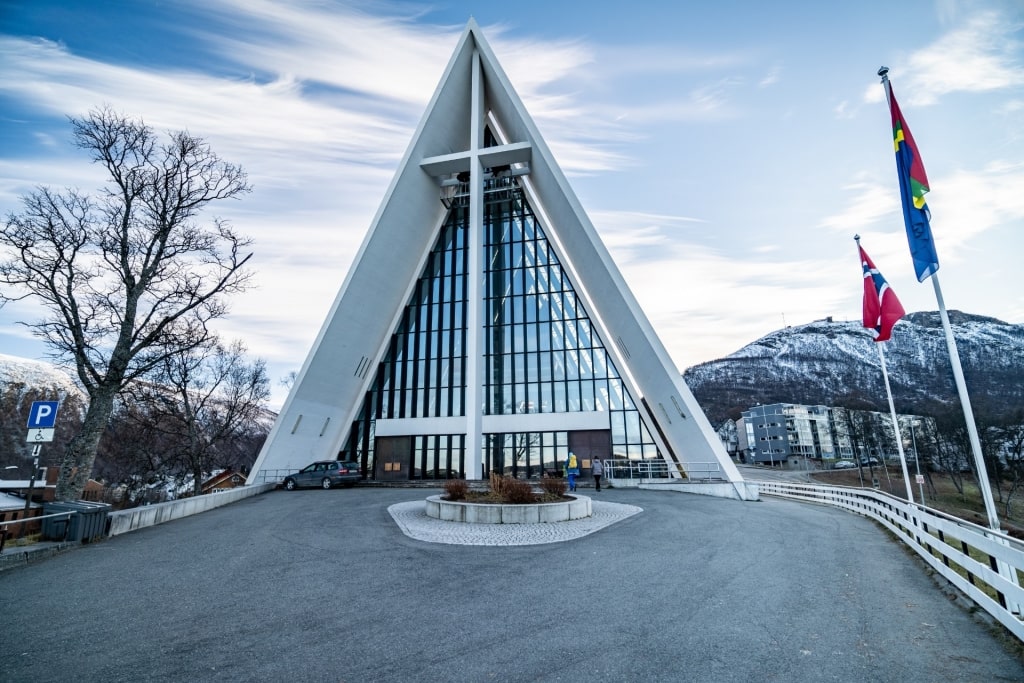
(42, 419)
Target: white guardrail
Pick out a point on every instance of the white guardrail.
(985, 565)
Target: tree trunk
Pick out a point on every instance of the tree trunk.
(80, 454)
(197, 478)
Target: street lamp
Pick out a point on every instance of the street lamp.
(917, 463)
(31, 484)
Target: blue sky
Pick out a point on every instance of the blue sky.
(727, 152)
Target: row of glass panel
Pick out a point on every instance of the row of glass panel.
(527, 454)
(447, 370)
(517, 281)
(541, 306)
(549, 366)
(508, 399)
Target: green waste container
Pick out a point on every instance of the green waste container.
(87, 521)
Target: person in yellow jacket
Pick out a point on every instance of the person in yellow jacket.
(572, 470)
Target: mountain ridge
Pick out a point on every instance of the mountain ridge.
(837, 363)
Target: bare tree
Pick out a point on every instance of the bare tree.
(1013, 449)
(129, 278)
(203, 401)
(952, 446)
(133, 458)
(991, 436)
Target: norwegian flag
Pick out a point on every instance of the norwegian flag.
(881, 306)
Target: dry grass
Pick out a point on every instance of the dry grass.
(939, 494)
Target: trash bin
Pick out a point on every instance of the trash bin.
(87, 521)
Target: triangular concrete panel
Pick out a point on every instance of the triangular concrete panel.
(474, 93)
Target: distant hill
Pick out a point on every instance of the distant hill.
(34, 374)
(836, 363)
(23, 381)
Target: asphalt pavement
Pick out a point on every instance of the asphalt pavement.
(324, 586)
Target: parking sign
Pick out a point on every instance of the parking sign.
(43, 414)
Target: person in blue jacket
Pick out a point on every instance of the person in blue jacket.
(572, 470)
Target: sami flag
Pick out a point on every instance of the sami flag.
(881, 307)
(913, 186)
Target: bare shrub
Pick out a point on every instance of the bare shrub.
(517, 491)
(497, 484)
(552, 486)
(511, 490)
(456, 489)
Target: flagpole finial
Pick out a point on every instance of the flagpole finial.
(856, 238)
(883, 72)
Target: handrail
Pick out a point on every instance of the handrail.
(661, 470)
(985, 565)
(30, 520)
(272, 476)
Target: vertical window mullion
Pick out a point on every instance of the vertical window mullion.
(415, 357)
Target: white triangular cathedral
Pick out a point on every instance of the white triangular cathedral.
(483, 326)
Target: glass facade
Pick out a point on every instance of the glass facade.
(540, 351)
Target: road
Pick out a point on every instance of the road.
(323, 586)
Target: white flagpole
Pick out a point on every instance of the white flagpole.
(965, 402)
(958, 376)
(896, 426)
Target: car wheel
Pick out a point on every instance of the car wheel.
(326, 483)
(289, 484)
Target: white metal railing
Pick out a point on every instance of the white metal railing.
(660, 470)
(985, 565)
(272, 476)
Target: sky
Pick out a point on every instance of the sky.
(727, 152)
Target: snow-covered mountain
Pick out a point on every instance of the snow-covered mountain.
(23, 381)
(837, 363)
(34, 374)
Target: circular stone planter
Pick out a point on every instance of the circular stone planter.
(499, 513)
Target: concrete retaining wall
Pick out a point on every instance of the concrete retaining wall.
(123, 521)
(484, 513)
(723, 490)
(743, 490)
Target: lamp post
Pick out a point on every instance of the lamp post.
(31, 485)
(917, 463)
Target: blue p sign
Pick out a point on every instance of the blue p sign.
(43, 414)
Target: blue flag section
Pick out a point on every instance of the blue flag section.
(913, 186)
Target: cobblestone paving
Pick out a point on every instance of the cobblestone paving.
(412, 519)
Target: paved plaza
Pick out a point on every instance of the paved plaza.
(327, 586)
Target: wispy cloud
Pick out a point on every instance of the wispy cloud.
(982, 55)
(970, 203)
(869, 203)
(770, 78)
